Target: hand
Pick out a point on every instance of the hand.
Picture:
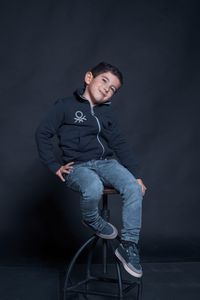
(64, 170)
(140, 182)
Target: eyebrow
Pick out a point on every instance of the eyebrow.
(106, 77)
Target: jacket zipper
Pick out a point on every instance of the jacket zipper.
(99, 127)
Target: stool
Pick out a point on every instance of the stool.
(124, 286)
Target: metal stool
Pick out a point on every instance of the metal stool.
(82, 286)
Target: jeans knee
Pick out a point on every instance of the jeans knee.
(94, 191)
(133, 190)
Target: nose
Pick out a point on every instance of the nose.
(106, 88)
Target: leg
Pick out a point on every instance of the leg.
(85, 180)
(113, 173)
(88, 183)
(120, 178)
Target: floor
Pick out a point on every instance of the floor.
(161, 281)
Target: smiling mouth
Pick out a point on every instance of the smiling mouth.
(102, 94)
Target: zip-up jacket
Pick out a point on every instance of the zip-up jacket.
(84, 133)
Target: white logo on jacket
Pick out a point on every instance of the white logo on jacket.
(79, 117)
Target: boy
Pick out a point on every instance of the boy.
(89, 139)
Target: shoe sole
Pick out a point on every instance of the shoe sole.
(104, 236)
(111, 236)
(126, 267)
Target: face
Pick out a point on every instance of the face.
(101, 88)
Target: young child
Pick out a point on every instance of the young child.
(94, 155)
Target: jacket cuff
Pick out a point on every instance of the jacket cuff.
(54, 167)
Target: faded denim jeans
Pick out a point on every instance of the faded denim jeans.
(89, 178)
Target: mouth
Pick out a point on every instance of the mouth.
(104, 95)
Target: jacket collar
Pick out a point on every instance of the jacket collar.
(79, 92)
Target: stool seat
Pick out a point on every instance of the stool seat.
(108, 191)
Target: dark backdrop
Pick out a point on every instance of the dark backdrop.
(46, 48)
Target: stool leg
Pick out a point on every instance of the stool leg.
(89, 261)
(105, 213)
(73, 261)
(119, 280)
(120, 285)
(105, 248)
(140, 290)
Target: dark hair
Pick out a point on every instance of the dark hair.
(104, 67)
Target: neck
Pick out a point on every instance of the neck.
(86, 97)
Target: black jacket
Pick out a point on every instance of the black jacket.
(84, 133)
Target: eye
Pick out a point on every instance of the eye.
(104, 80)
(113, 89)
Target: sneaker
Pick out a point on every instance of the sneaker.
(127, 253)
(108, 232)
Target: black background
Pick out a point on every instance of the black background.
(46, 48)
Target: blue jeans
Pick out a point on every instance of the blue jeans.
(89, 178)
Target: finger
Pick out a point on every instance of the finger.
(66, 171)
(143, 190)
(68, 167)
(61, 177)
(71, 163)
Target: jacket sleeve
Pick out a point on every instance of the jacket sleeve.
(44, 134)
(123, 150)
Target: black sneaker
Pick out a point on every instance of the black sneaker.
(127, 253)
(108, 232)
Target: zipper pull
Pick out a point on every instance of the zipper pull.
(92, 110)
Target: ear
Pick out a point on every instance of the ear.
(88, 77)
